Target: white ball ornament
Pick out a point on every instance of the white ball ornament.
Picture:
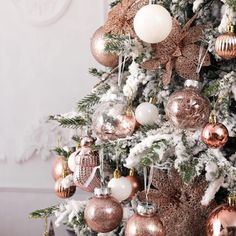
(120, 186)
(146, 113)
(71, 161)
(152, 23)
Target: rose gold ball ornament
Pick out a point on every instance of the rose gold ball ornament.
(85, 162)
(97, 47)
(63, 192)
(222, 220)
(214, 134)
(145, 222)
(225, 44)
(113, 120)
(121, 187)
(103, 213)
(60, 168)
(187, 108)
(135, 183)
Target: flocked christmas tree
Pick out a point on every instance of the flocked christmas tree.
(162, 118)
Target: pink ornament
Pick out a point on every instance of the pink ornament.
(86, 163)
(103, 213)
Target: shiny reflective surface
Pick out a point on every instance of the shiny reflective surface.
(103, 214)
(215, 135)
(97, 48)
(111, 122)
(63, 192)
(188, 109)
(222, 221)
(60, 168)
(144, 225)
(225, 46)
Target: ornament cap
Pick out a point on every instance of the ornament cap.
(146, 209)
(213, 118)
(230, 28)
(153, 100)
(132, 172)
(193, 84)
(117, 174)
(129, 111)
(232, 200)
(103, 191)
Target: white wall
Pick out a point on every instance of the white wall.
(43, 71)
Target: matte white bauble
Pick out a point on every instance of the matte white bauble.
(121, 188)
(146, 114)
(152, 23)
(71, 161)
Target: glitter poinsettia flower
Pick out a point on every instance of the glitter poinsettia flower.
(120, 17)
(179, 204)
(179, 51)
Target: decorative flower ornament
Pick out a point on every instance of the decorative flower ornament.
(179, 51)
(120, 18)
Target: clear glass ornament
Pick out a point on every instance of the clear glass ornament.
(112, 121)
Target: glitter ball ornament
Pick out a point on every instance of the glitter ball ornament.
(63, 192)
(103, 213)
(97, 47)
(214, 134)
(60, 168)
(120, 186)
(135, 183)
(225, 44)
(86, 161)
(147, 113)
(222, 220)
(187, 108)
(152, 23)
(112, 120)
(145, 222)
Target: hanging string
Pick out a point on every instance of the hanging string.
(101, 169)
(120, 71)
(46, 227)
(148, 181)
(201, 58)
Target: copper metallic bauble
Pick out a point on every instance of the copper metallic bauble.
(60, 168)
(85, 162)
(215, 135)
(225, 45)
(145, 222)
(111, 121)
(97, 47)
(188, 109)
(222, 221)
(63, 192)
(135, 182)
(103, 213)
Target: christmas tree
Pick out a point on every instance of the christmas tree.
(162, 120)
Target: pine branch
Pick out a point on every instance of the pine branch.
(96, 73)
(62, 152)
(74, 123)
(43, 213)
(88, 102)
(114, 3)
(231, 3)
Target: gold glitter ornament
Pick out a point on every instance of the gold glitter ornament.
(225, 45)
(103, 213)
(145, 222)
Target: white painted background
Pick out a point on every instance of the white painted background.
(43, 71)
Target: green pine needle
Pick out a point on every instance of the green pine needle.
(43, 213)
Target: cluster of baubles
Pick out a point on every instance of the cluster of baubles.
(152, 24)
(60, 171)
(103, 213)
